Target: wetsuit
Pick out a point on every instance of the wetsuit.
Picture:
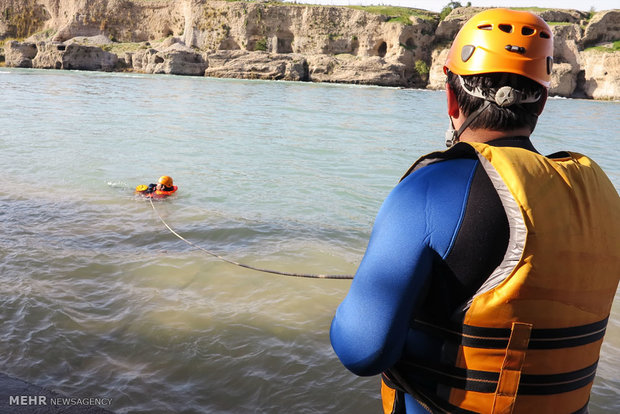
(437, 238)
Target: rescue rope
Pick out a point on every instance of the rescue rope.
(232, 262)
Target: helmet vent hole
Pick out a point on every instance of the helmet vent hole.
(485, 27)
(505, 28)
(527, 31)
(545, 35)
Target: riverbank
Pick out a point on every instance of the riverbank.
(386, 46)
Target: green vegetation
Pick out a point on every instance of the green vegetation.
(610, 47)
(273, 3)
(397, 14)
(591, 13)
(422, 68)
(25, 20)
(261, 44)
(449, 7)
(393, 13)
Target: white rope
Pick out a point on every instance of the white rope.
(258, 269)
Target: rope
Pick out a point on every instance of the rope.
(232, 262)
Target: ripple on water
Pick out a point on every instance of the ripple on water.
(97, 298)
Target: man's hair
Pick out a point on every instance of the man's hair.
(496, 117)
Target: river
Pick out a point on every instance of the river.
(99, 299)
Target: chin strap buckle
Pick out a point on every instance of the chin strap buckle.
(451, 137)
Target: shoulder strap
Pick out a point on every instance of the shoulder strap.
(459, 150)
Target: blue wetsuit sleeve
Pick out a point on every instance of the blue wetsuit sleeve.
(417, 223)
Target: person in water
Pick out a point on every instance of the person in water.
(164, 187)
(165, 184)
(491, 269)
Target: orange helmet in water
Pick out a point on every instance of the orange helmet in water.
(165, 180)
(503, 40)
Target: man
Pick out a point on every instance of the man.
(164, 187)
(491, 269)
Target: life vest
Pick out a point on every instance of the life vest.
(529, 340)
(159, 193)
(162, 193)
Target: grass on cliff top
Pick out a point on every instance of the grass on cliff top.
(398, 14)
(394, 14)
(610, 47)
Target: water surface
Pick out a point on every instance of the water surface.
(99, 299)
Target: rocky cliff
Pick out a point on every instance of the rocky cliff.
(585, 62)
(282, 41)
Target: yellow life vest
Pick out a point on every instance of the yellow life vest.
(529, 340)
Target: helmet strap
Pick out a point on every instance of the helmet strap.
(452, 136)
(503, 97)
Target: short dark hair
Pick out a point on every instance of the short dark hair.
(496, 117)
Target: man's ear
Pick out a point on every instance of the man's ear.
(542, 101)
(453, 106)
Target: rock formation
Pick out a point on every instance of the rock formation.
(577, 72)
(257, 65)
(245, 39)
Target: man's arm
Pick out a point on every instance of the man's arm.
(416, 224)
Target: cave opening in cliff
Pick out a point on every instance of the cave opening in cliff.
(284, 43)
(382, 49)
(229, 44)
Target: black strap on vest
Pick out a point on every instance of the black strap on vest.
(486, 381)
(497, 338)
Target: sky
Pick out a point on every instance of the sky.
(437, 5)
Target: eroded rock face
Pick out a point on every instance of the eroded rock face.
(82, 57)
(359, 70)
(436, 78)
(19, 55)
(176, 59)
(275, 41)
(450, 26)
(53, 55)
(49, 55)
(602, 74)
(563, 80)
(257, 65)
(562, 16)
(571, 75)
(603, 27)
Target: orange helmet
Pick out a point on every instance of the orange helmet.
(503, 40)
(165, 180)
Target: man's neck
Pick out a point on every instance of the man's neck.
(486, 135)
